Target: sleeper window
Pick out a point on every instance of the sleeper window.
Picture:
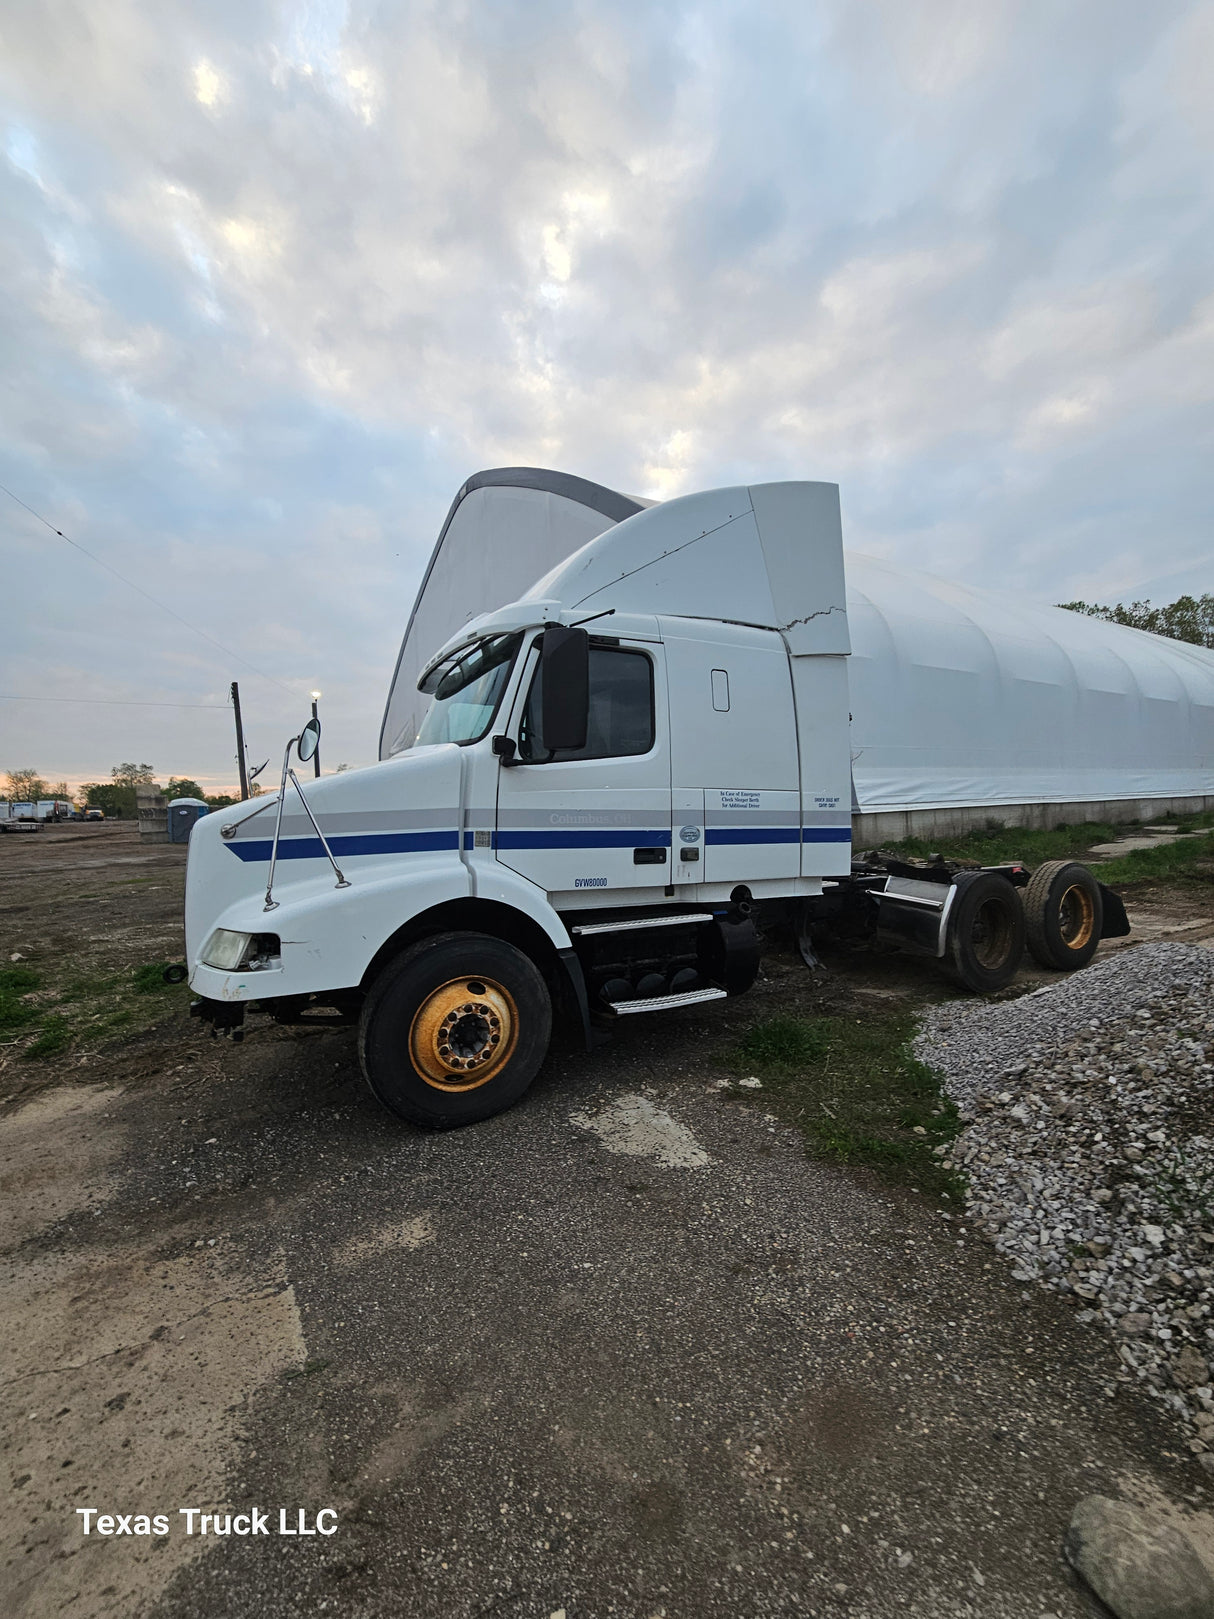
(621, 710)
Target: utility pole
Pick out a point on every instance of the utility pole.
(316, 755)
(240, 758)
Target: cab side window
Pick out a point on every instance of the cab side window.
(621, 710)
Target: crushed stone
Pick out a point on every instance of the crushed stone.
(1088, 1152)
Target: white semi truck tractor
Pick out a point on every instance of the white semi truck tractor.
(617, 778)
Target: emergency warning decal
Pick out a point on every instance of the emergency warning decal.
(751, 816)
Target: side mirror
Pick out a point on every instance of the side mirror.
(565, 672)
(309, 740)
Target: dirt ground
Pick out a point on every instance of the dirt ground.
(624, 1350)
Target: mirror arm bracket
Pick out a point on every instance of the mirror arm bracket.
(342, 881)
(312, 729)
(271, 903)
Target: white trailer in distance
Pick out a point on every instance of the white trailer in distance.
(19, 817)
(617, 775)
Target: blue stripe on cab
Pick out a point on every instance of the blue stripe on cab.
(583, 837)
(381, 843)
(751, 834)
(354, 843)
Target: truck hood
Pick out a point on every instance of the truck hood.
(371, 818)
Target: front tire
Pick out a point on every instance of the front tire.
(454, 1030)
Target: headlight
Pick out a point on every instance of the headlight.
(225, 949)
(242, 952)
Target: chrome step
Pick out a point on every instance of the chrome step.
(641, 922)
(663, 1003)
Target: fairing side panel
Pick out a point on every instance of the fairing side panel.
(820, 687)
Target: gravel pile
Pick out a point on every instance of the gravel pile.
(1089, 1152)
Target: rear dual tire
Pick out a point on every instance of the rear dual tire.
(985, 933)
(1059, 915)
(454, 1030)
(1064, 915)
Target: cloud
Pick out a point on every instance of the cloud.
(276, 278)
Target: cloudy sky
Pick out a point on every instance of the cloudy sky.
(276, 277)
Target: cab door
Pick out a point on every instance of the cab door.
(592, 825)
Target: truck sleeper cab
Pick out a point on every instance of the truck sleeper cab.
(602, 794)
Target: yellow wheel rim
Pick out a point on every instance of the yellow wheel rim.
(1076, 917)
(463, 1034)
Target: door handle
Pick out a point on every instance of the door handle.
(649, 857)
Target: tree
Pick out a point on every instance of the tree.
(222, 801)
(183, 787)
(113, 801)
(26, 786)
(117, 796)
(129, 775)
(1188, 618)
(59, 790)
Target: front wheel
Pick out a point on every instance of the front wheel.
(454, 1030)
(985, 933)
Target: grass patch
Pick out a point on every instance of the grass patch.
(1187, 823)
(1170, 862)
(81, 1009)
(15, 1011)
(999, 845)
(149, 979)
(784, 1042)
(56, 1036)
(98, 987)
(18, 980)
(855, 1089)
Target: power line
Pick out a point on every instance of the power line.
(227, 651)
(108, 702)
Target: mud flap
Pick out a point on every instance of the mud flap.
(575, 985)
(1116, 923)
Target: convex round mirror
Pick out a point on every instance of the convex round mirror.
(309, 740)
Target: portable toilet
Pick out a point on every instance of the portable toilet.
(183, 812)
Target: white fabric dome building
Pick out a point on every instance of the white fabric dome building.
(966, 705)
(964, 700)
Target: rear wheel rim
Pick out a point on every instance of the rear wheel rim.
(1076, 917)
(991, 936)
(463, 1034)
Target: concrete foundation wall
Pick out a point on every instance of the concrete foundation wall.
(152, 812)
(891, 826)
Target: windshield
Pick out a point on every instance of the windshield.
(468, 691)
